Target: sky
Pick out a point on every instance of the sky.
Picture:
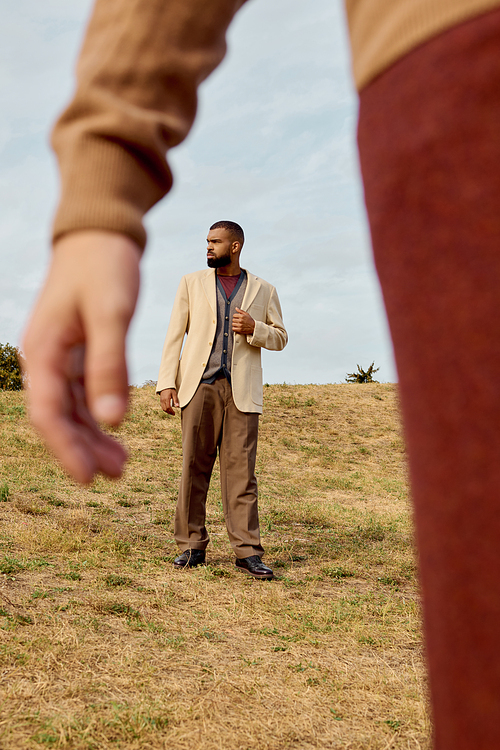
(273, 148)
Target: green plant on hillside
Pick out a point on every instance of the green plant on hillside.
(362, 376)
(11, 376)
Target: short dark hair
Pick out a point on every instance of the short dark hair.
(233, 228)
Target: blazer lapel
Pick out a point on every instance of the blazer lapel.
(208, 283)
(253, 286)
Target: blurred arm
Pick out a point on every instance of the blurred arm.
(137, 78)
(139, 69)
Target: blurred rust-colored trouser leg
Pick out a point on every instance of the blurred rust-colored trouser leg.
(429, 142)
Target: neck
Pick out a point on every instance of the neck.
(233, 269)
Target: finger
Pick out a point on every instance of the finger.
(60, 418)
(49, 402)
(108, 454)
(50, 413)
(167, 408)
(164, 402)
(106, 378)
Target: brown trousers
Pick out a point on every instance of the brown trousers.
(429, 142)
(211, 421)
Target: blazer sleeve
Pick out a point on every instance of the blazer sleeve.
(136, 97)
(270, 334)
(177, 328)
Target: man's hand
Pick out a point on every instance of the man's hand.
(243, 323)
(168, 398)
(75, 350)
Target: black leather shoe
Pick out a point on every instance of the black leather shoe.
(254, 566)
(191, 558)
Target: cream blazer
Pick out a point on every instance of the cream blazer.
(194, 316)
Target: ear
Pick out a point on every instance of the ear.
(235, 247)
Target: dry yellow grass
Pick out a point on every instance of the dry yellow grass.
(103, 645)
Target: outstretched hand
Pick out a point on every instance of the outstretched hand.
(74, 347)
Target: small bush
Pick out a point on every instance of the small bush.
(11, 376)
(362, 376)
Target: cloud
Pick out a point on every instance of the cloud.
(273, 147)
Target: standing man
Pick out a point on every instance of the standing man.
(228, 315)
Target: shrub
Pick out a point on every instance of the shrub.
(11, 376)
(361, 376)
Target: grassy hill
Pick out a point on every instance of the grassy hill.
(104, 645)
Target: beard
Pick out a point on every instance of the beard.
(225, 260)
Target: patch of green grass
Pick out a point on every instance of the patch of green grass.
(12, 412)
(11, 565)
(338, 572)
(45, 738)
(372, 531)
(4, 492)
(56, 502)
(211, 571)
(71, 575)
(121, 547)
(120, 608)
(389, 581)
(32, 507)
(393, 724)
(113, 580)
(40, 594)
(17, 619)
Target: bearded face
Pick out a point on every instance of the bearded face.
(219, 243)
(218, 262)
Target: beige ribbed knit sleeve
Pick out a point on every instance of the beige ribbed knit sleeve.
(139, 69)
(382, 31)
(137, 77)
